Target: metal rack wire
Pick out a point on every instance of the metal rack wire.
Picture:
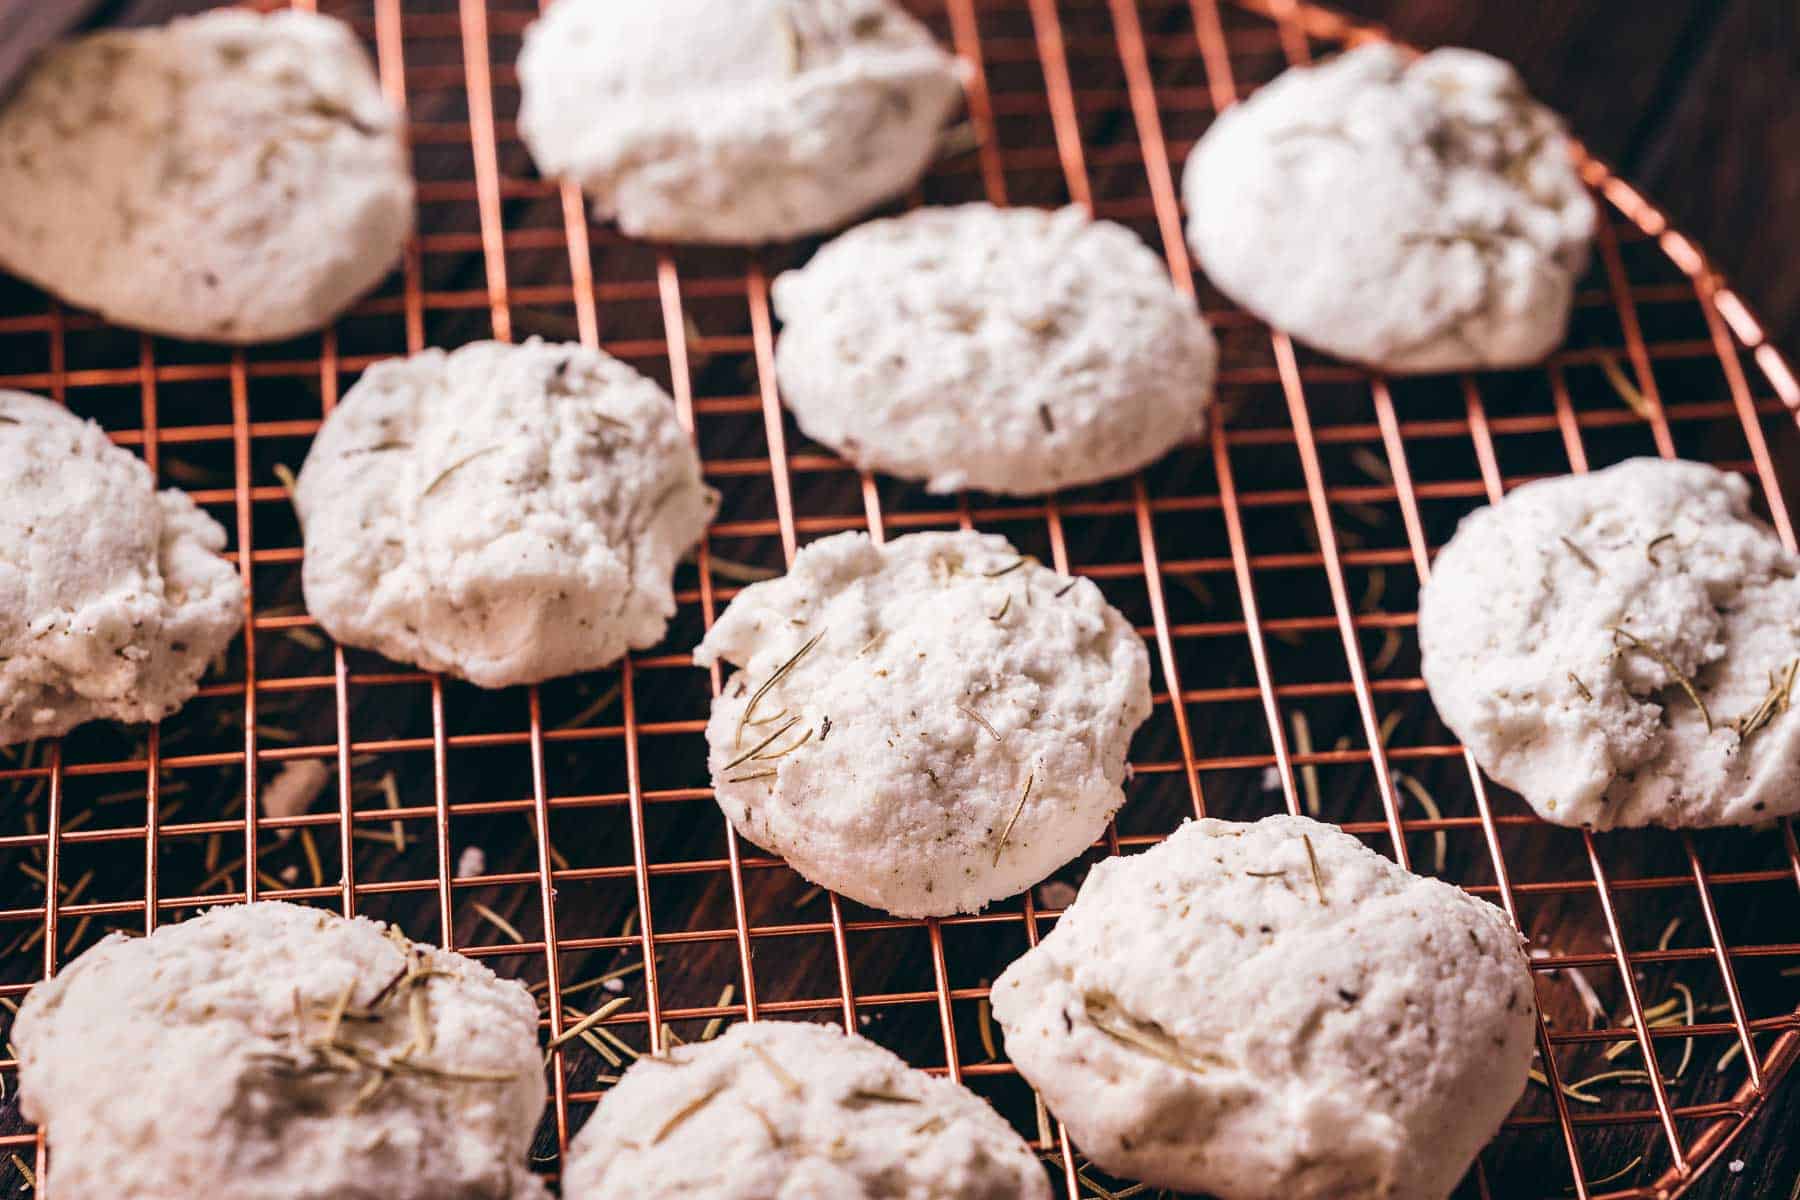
(1274, 570)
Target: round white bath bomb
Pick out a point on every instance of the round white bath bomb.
(503, 513)
(799, 1111)
(230, 177)
(113, 597)
(1559, 624)
(1012, 350)
(735, 121)
(1416, 215)
(241, 1085)
(1273, 1011)
(924, 726)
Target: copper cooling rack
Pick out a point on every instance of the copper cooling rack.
(565, 834)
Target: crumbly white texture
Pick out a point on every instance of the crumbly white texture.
(503, 513)
(1416, 215)
(113, 597)
(1013, 350)
(958, 728)
(229, 177)
(202, 1017)
(736, 121)
(1202, 1020)
(796, 1111)
(1516, 633)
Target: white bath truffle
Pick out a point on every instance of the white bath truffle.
(230, 177)
(276, 1052)
(1273, 1011)
(799, 1111)
(924, 726)
(1417, 214)
(1013, 350)
(113, 597)
(734, 120)
(1560, 624)
(503, 513)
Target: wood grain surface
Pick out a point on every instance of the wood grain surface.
(1693, 101)
(1688, 99)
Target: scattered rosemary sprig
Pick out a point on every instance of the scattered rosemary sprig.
(752, 776)
(598, 705)
(1668, 664)
(1370, 465)
(1628, 391)
(1374, 588)
(1391, 642)
(958, 139)
(1014, 819)
(599, 981)
(390, 793)
(1621, 1173)
(454, 467)
(1581, 554)
(311, 846)
(774, 678)
(1440, 847)
(772, 755)
(780, 1072)
(714, 1025)
(1781, 689)
(594, 1043)
(334, 1053)
(872, 1096)
(757, 749)
(1309, 773)
(775, 1138)
(19, 1164)
(738, 572)
(1687, 1044)
(588, 1022)
(285, 474)
(1650, 549)
(1581, 687)
(1008, 569)
(497, 921)
(1146, 1037)
(796, 49)
(685, 1111)
(1005, 607)
(1065, 589)
(979, 720)
(984, 1018)
(1313, 860)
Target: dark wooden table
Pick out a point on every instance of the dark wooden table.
(1688, 99)
(1693, 101)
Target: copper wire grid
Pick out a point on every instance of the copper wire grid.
(1273, 568)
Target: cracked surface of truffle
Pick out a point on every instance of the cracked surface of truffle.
(736, 121)
(113, 596)
(798, 1111)
(1416, 214)
(1012, 350)
(1274, 1011)
(1559, 626)
(927, 725)
(505, 513)
(229, 177)
(427, 1084)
